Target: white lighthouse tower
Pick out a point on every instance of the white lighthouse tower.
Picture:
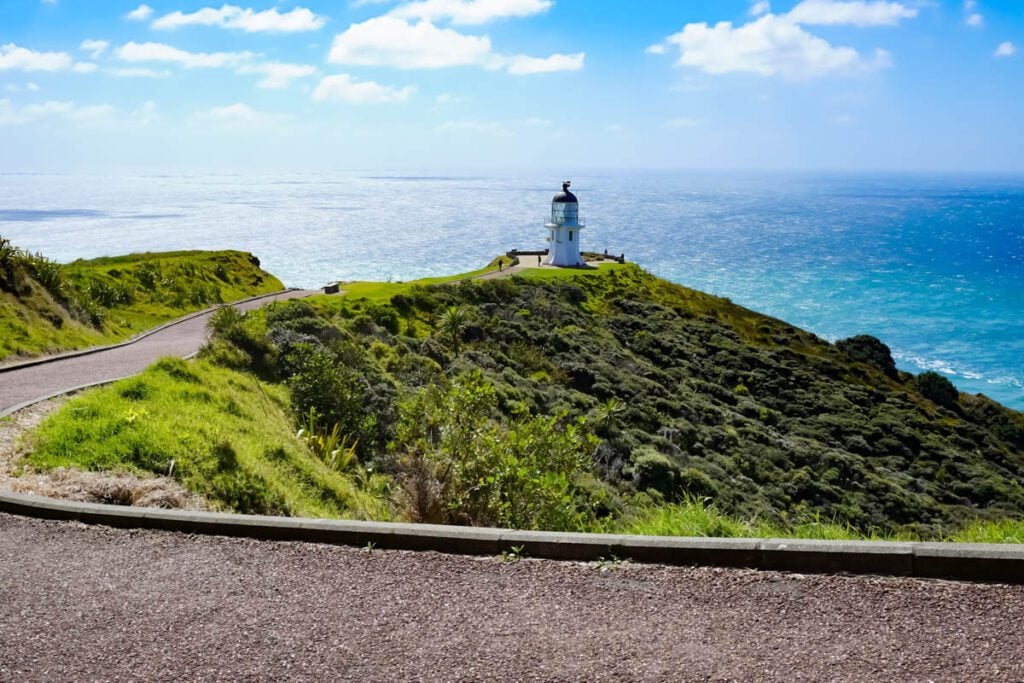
(564, 229)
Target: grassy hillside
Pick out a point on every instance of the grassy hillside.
(613, 400)
(225, 435)
(47, 307)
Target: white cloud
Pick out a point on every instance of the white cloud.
(146, 114)
(615, 128)
(160, 52)
(49, 2)
(488, 127)
(1006, 49)
(238, 115)
(140, 13)
(54, 109)
(14, 58)
(387, 41)
(855, 13)
(137, 72)
(536, 122)
(470, 12)
(769, 46)
(95, 48)
(91, 112)
(31, 87)
(759, 8)
(277, 75)
(522, 64)
(844, 120)
(656, 49)
(84, 68)
(683, 122)
(248, 20)
(975, 20)
(393, 42)
(341, 88)
(449, 98)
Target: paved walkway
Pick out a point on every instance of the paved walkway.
(92, 603)
(22, 385)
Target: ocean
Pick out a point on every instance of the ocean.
(933, 265)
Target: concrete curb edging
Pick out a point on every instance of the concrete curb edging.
(961, 561)
(137, 338)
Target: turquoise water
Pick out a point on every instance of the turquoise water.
(932, 265)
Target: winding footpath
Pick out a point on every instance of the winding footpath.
(26, 384)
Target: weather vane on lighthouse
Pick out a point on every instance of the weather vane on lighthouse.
(564, 229)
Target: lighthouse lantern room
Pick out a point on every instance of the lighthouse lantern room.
(564, 229)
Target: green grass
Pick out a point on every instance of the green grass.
(229, 436)
(110, 299)
(999, 531)
(383, 291)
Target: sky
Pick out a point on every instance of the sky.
(322, 85)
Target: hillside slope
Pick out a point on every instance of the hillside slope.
(691, 394)
(46, 307)
(598, 400)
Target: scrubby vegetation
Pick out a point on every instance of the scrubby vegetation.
(612, 400)
(225, 435)
(46, 306)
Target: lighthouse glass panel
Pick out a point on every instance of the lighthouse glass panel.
(562, 214)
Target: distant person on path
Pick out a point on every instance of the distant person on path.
(538, 261)
(501, 265)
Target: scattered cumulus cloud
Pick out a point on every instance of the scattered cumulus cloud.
(343, 88)
(84, 68)
(146, 114)
(486, 127)
(15, 58)
(975, 20)
(449, 98)
(160, 52)
(277, 75)
(137, 72)
(856, 13)
(780, 45)
(470, 12)
(388, 41)
(522, 64)
(393, 42)
(236, 18)
(656, 49)
(759, 8)
(95, 48)
(683, 122)
(53, 110)
(238, 115)
(1006, 49)
(140, 13)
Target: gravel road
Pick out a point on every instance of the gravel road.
(182, 339)
(93, 603)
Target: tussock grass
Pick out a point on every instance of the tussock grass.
(224, 435)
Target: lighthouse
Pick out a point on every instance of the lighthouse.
(564, 229)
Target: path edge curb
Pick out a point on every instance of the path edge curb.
(43, 360)
(974, 562)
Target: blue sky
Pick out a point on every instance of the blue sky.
(323, 85)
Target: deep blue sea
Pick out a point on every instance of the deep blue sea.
(932, 265)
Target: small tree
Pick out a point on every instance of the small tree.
(452, 322)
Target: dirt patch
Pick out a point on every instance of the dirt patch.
(116, 488)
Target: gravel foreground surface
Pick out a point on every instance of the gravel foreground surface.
(92, 603)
